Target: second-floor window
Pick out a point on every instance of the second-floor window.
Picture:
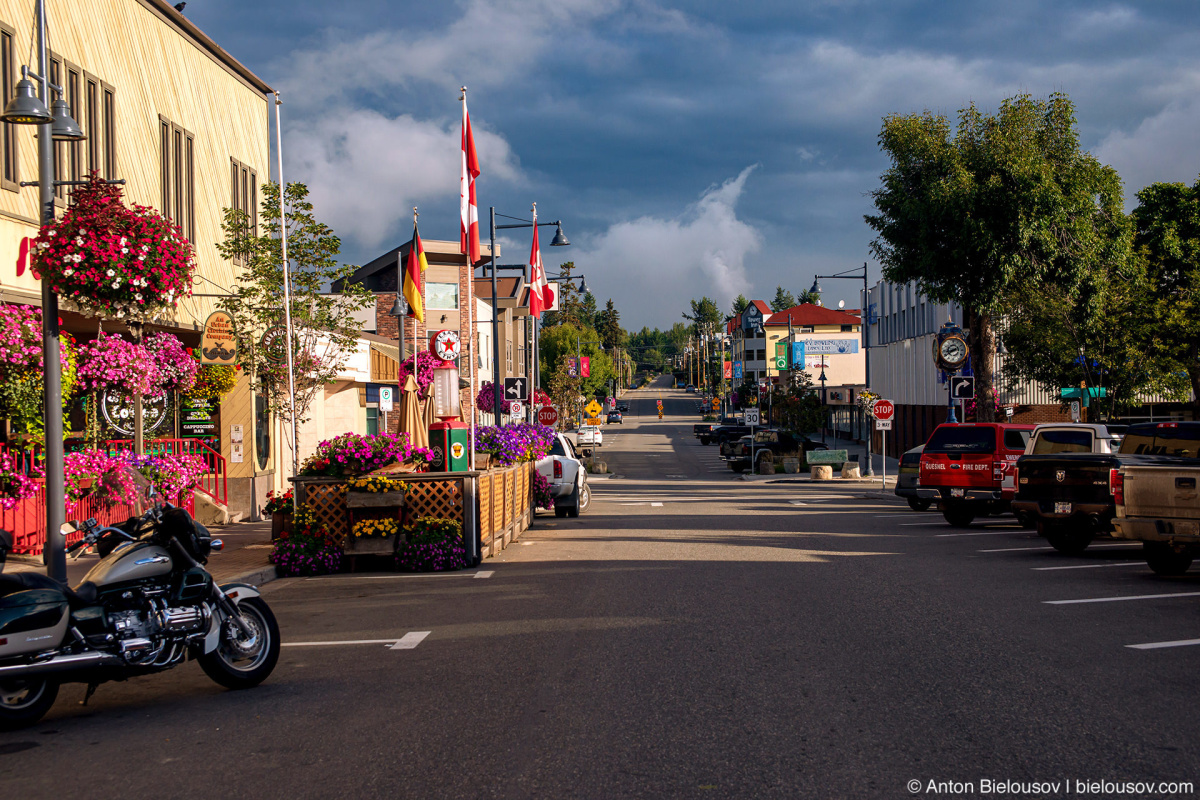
(177, 154)
(244, 193)
(9, 174)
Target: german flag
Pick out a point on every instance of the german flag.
(414, 280)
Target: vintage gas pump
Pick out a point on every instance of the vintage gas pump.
(447, 438)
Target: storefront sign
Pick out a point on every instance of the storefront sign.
(219, 343)
(830, 346)
(200, 418)
(117, 409)
(274, 344)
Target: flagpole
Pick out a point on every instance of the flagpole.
(472, 334)
(287, 292)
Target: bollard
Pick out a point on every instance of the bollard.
(822, 472)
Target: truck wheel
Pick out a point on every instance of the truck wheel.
(1026, 520)
(1163, 559)
(738, 469)
(585, 497)
(705, 441)
(1070, 540)
(917, 504)
(959, 515)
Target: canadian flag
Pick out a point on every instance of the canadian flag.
(541, 296)
(469, 209)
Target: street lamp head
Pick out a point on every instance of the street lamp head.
(816, 287)
(397, 309)
(559, 240)
(583, 289)
(64, 127)
(26, 108)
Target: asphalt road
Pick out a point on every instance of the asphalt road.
(692, 635)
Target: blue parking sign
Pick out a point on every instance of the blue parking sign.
(737, 371)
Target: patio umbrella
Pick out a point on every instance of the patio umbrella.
(410, 416)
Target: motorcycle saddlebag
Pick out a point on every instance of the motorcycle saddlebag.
(32, 620)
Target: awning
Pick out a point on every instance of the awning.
(392, 351)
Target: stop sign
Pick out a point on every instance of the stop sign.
(547, 415)
(883, 409)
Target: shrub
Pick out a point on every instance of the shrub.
(434, 545)
(308, 550)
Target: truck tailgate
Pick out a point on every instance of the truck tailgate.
(1166, 492)
(1079, 479)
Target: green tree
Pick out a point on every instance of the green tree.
(1006, 201)
(608, 325)
(808, 296)
(783, 299)
(325, 329)
(739, 304)
(1167, 222)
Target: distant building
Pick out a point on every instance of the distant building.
(749, 339)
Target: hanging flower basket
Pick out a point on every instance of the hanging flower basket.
(105, 259)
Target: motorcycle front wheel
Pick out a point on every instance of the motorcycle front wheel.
(24, 702)
(242, 661)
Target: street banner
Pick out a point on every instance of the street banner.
(585, 367)
(468, 206)
(781, 349)
(540, 297)
(572, 367)
(737, 371)
(727, 372)
(831, 346)
(799, 351)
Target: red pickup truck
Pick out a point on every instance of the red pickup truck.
(963, 468)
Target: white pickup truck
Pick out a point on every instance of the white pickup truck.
(589, 436)
(567, 477)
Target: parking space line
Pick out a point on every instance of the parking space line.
(1018, 549)
(1160, 645)
(1120, 599)
(485, 573)
(1091, 566)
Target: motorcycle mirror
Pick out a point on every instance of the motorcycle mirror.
(68, 528)
(217, 545)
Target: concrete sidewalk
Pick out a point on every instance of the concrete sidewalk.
(243, 560)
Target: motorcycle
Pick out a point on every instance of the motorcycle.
(147, 606)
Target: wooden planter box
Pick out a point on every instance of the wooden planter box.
(371, 545)
(280, 523)
(374, 499)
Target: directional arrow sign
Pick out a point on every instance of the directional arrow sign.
(962, 388)
(514, 388)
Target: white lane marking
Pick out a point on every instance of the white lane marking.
(656, 505)
(526, 544)
(909, 515)
(485, 573)
(1120, 599)
(677, 476)
(922, 524)
(1018, 549)
(410, 640)
(798, 502)
(1160, 645)
(1090, 566)
(979, 533)
(391, 642)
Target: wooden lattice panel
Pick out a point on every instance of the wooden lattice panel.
(509, 481)
(435, 499)
(498, 504)
(329, 504)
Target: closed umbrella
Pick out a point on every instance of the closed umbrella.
(410, 416)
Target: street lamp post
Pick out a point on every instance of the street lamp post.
(865, 323)
(558, 241)
(28, 108)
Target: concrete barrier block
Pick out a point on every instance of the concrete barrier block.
(822, 473)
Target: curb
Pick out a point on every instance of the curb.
(254, 577)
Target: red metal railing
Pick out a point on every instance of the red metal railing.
(27, 520)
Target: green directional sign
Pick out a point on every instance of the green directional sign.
(1077, 393)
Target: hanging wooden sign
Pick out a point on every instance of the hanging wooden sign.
(274, 344)
(219, 343)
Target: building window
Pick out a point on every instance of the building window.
(807, 329)
(9, 175)
(508, 356)
(109, 125)
(262, 430)
(372, 420)
(73, 94)
(91, 119)
(60, 192)
(442, 296)
(244, 193)
(847, 329)
(177, 176)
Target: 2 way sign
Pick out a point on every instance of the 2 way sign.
(962, 387)
(514, 388)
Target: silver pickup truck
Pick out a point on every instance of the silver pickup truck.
(1156, 495)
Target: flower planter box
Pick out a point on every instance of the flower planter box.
(280, 523)
(791, 465)
(371, 545)
(374, 499)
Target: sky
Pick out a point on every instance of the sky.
(696, 148)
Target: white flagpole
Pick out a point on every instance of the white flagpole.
(287, 292)
(471, 332)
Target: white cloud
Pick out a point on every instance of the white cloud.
(1161, 148)
(366, 171)
(648, 264)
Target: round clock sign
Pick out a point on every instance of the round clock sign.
(446, 345)
(953, 351)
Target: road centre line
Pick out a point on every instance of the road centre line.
(1160, 645)
(978, 533)
(1018, 549)
(1120, 599)
(1090, 566)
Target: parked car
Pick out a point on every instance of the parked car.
(723, 434)
(909, 477)
(1061, 489)
(623, 408)
(769, 441)
(589, 436)
(689, 388)
(614, 418)
(1154, 490)
(567, 477)
(963, 466)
